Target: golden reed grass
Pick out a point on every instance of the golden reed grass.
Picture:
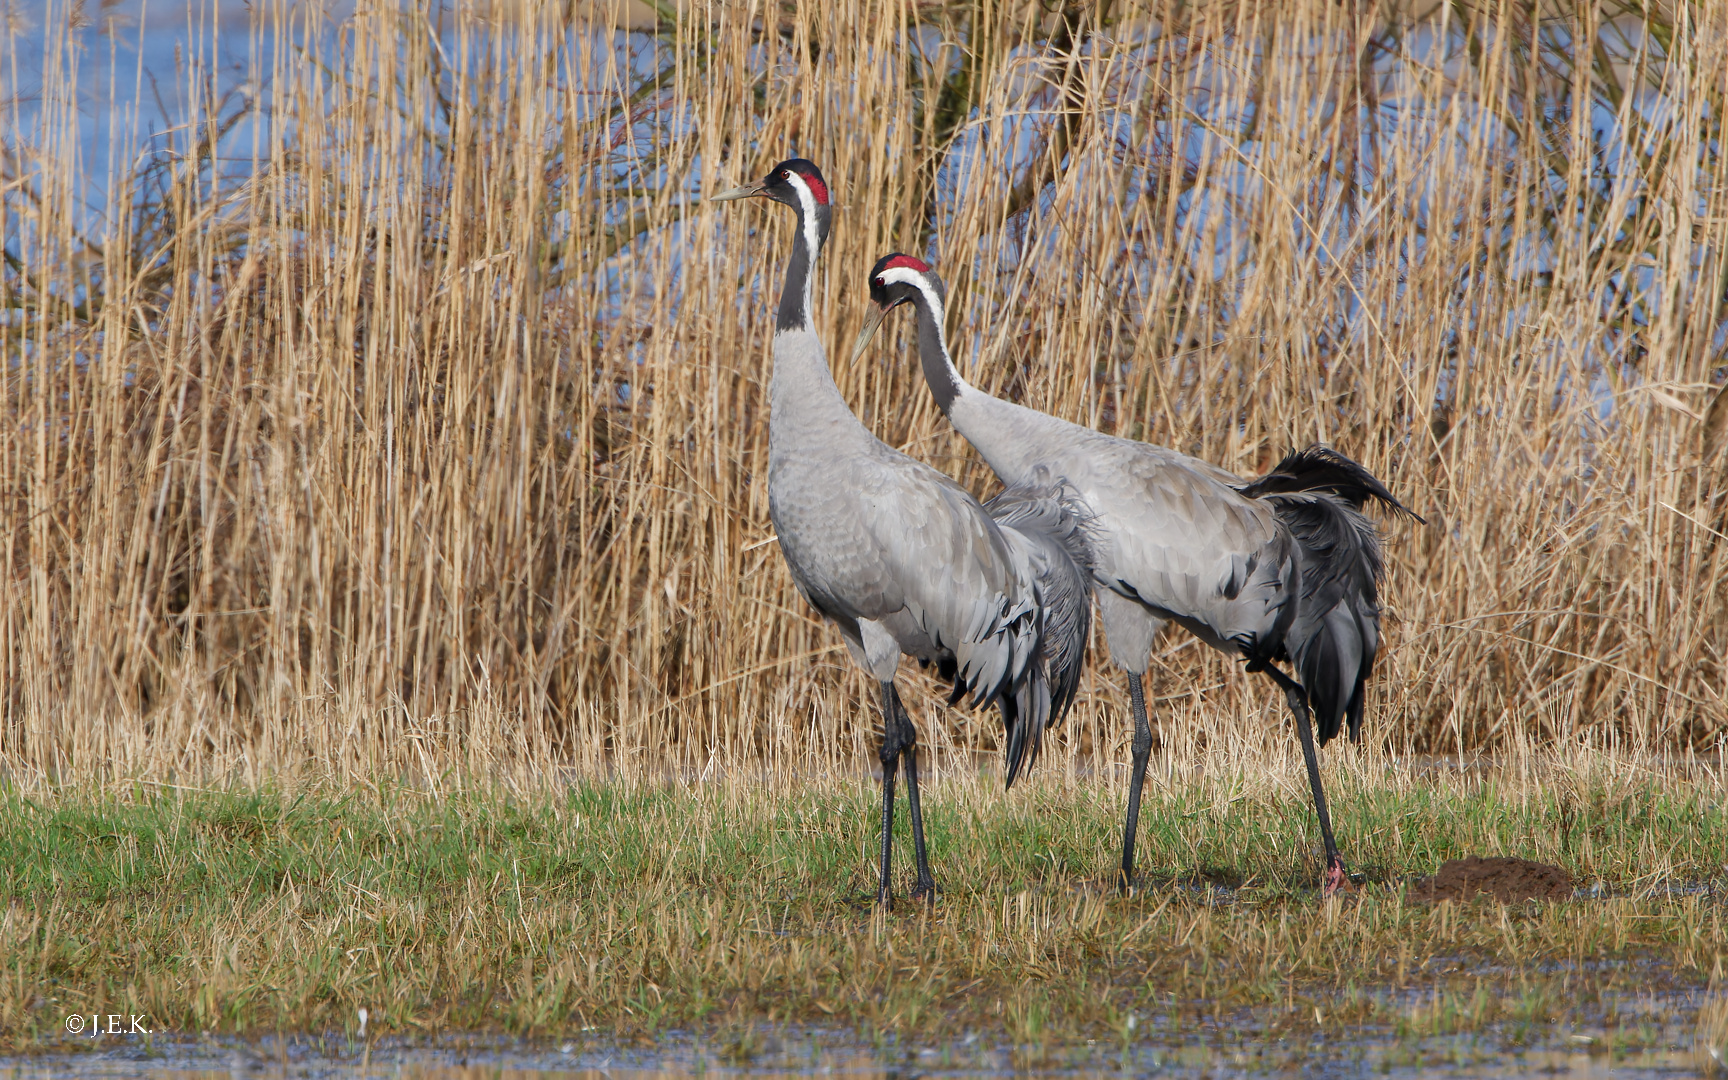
(431, 441)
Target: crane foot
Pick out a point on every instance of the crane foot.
(1335, 881)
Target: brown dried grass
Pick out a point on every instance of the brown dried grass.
(1712, 1037)
(333, 467)
(715, 908)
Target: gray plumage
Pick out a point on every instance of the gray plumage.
(1285, 567)
(891, 550)
(901, 558)
(1061, 562)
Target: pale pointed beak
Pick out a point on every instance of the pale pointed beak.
(738, 193)
(872, 320)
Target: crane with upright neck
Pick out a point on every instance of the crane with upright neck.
(900, 558)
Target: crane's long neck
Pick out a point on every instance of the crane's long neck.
(805, 406)
(1010, 437)
(940, 375)
(797, 296)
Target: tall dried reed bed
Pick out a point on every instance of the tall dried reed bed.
(417, 427)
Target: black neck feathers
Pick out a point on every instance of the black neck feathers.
(939, 373)
(795, 298)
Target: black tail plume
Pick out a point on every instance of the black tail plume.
(1321, 468)
(1335, 633)
(1319, 495)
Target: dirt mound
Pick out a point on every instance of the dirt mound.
(1507, 880)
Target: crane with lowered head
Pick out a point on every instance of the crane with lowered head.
(1282, 568)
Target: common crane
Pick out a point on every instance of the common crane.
(1282, 568)
(901, 558)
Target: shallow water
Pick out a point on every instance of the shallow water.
(809, 1052)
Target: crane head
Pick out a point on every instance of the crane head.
(788, 182)
(899, 279)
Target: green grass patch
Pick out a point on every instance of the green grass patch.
(636, 908)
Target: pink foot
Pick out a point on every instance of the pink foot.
(1335, 880)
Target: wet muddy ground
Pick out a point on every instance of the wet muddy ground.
(1636, 1036)
(1508, 880)
(812, 1054)
(1643, 1034)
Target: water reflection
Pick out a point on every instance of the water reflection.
(825, 1054)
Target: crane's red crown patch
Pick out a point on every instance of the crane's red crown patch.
(909, 263)
(817, 187)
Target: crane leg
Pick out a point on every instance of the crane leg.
(1335, 876)
(890, 754)
(925, 887)
(1137, 780)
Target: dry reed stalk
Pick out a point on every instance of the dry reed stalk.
(1712, 1036)
(432, 445)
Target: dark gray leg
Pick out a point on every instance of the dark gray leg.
(890, 754)
(925, 887)
(1137, 779)
(1294, 694)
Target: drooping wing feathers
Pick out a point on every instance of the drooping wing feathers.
(1053, 511)
(997, 598)
(1333, 638)
(1319, 495)
(1321, 468)
(1054, 526)
(959, 579)
(1062, 528)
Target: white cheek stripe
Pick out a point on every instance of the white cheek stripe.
(812, 238)
(807, 199)
(905, 275)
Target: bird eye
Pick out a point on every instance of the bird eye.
(880, 283)
(785, 174)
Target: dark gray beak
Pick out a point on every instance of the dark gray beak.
(744, 192)
(872, 319)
